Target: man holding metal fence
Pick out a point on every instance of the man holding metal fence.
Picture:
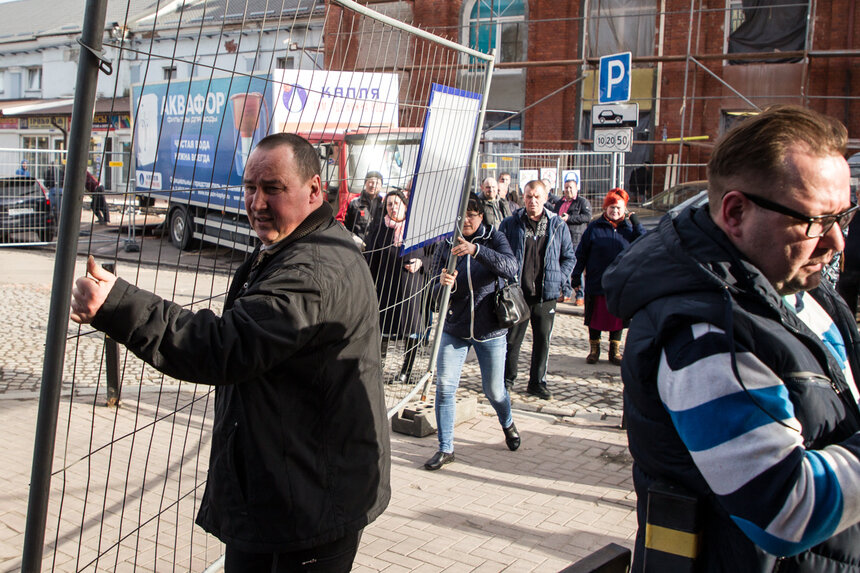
(300, 456)
(741, 364)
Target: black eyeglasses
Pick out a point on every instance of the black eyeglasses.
(815, 226)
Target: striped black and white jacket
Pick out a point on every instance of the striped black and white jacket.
(729, 395)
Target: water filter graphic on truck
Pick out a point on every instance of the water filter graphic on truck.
(193, 138)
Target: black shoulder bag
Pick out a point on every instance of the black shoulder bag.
(511, 307)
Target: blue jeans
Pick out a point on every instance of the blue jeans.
(491, 359)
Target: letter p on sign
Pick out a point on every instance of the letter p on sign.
(615, 78)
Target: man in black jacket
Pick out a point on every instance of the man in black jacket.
(366, 208)
(740, 368)
(300, 456)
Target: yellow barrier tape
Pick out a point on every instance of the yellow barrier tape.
(671, 541)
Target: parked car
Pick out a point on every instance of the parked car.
(25, 209)
(673, 200)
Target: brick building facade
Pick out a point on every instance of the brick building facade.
(557, 52)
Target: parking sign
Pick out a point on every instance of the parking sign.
(615, 78)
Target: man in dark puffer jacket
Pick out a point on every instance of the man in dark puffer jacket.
(739, 364)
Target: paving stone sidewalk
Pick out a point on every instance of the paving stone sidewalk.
(565, 493)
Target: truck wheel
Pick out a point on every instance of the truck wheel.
(181, 229)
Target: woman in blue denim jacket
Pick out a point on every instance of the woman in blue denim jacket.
(483, 258)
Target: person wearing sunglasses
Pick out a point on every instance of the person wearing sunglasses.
(740, 362)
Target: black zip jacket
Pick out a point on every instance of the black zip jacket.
(300, 447)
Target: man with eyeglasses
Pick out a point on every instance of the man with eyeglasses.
(739, 369)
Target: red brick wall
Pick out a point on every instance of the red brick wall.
(554, 35)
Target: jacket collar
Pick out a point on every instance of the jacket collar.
(522, 215)
(482, 234)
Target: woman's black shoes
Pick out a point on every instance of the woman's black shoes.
(438, 460)
(512, 437)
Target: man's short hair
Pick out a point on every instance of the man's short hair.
(535, 183)
(374, 174)
(503, 173)
(306, 156)
(754, 150)
(493, 179)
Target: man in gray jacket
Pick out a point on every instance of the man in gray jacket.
(300, 456)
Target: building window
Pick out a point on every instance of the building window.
(2, 81)
(504, 120)
(169, 72)
(499, 25)
(35, 144)
(285, 63)
(765, 26)
(616, 26)
(34, 79)
(734, 16)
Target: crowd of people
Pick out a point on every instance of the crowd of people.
(529, 239)
(742, 408)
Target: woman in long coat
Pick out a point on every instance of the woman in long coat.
(399, 281)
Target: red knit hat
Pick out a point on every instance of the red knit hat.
(614, 196)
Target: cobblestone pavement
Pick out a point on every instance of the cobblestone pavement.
(564, 494)
(578, 388)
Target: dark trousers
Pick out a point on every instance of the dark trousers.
(541, 318)
(333, 557)
(100, 207)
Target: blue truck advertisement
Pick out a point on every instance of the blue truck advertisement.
(192, 138)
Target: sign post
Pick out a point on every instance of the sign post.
(615, 73)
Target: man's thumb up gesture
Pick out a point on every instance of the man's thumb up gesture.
(90, 292)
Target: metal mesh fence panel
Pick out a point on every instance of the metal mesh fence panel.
(599, 172)
(207, 81)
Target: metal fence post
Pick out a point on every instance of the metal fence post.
(61, 291)
(112, 369)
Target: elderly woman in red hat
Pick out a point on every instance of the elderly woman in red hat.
(602, 241)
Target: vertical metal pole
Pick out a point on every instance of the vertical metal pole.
(464, 201)
(61, 291)
(112, 369)
(686, 80)
(559, 180)
(613, 171)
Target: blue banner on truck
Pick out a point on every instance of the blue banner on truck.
(192, 138)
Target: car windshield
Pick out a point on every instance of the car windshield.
(16, 188)
(394, 157)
